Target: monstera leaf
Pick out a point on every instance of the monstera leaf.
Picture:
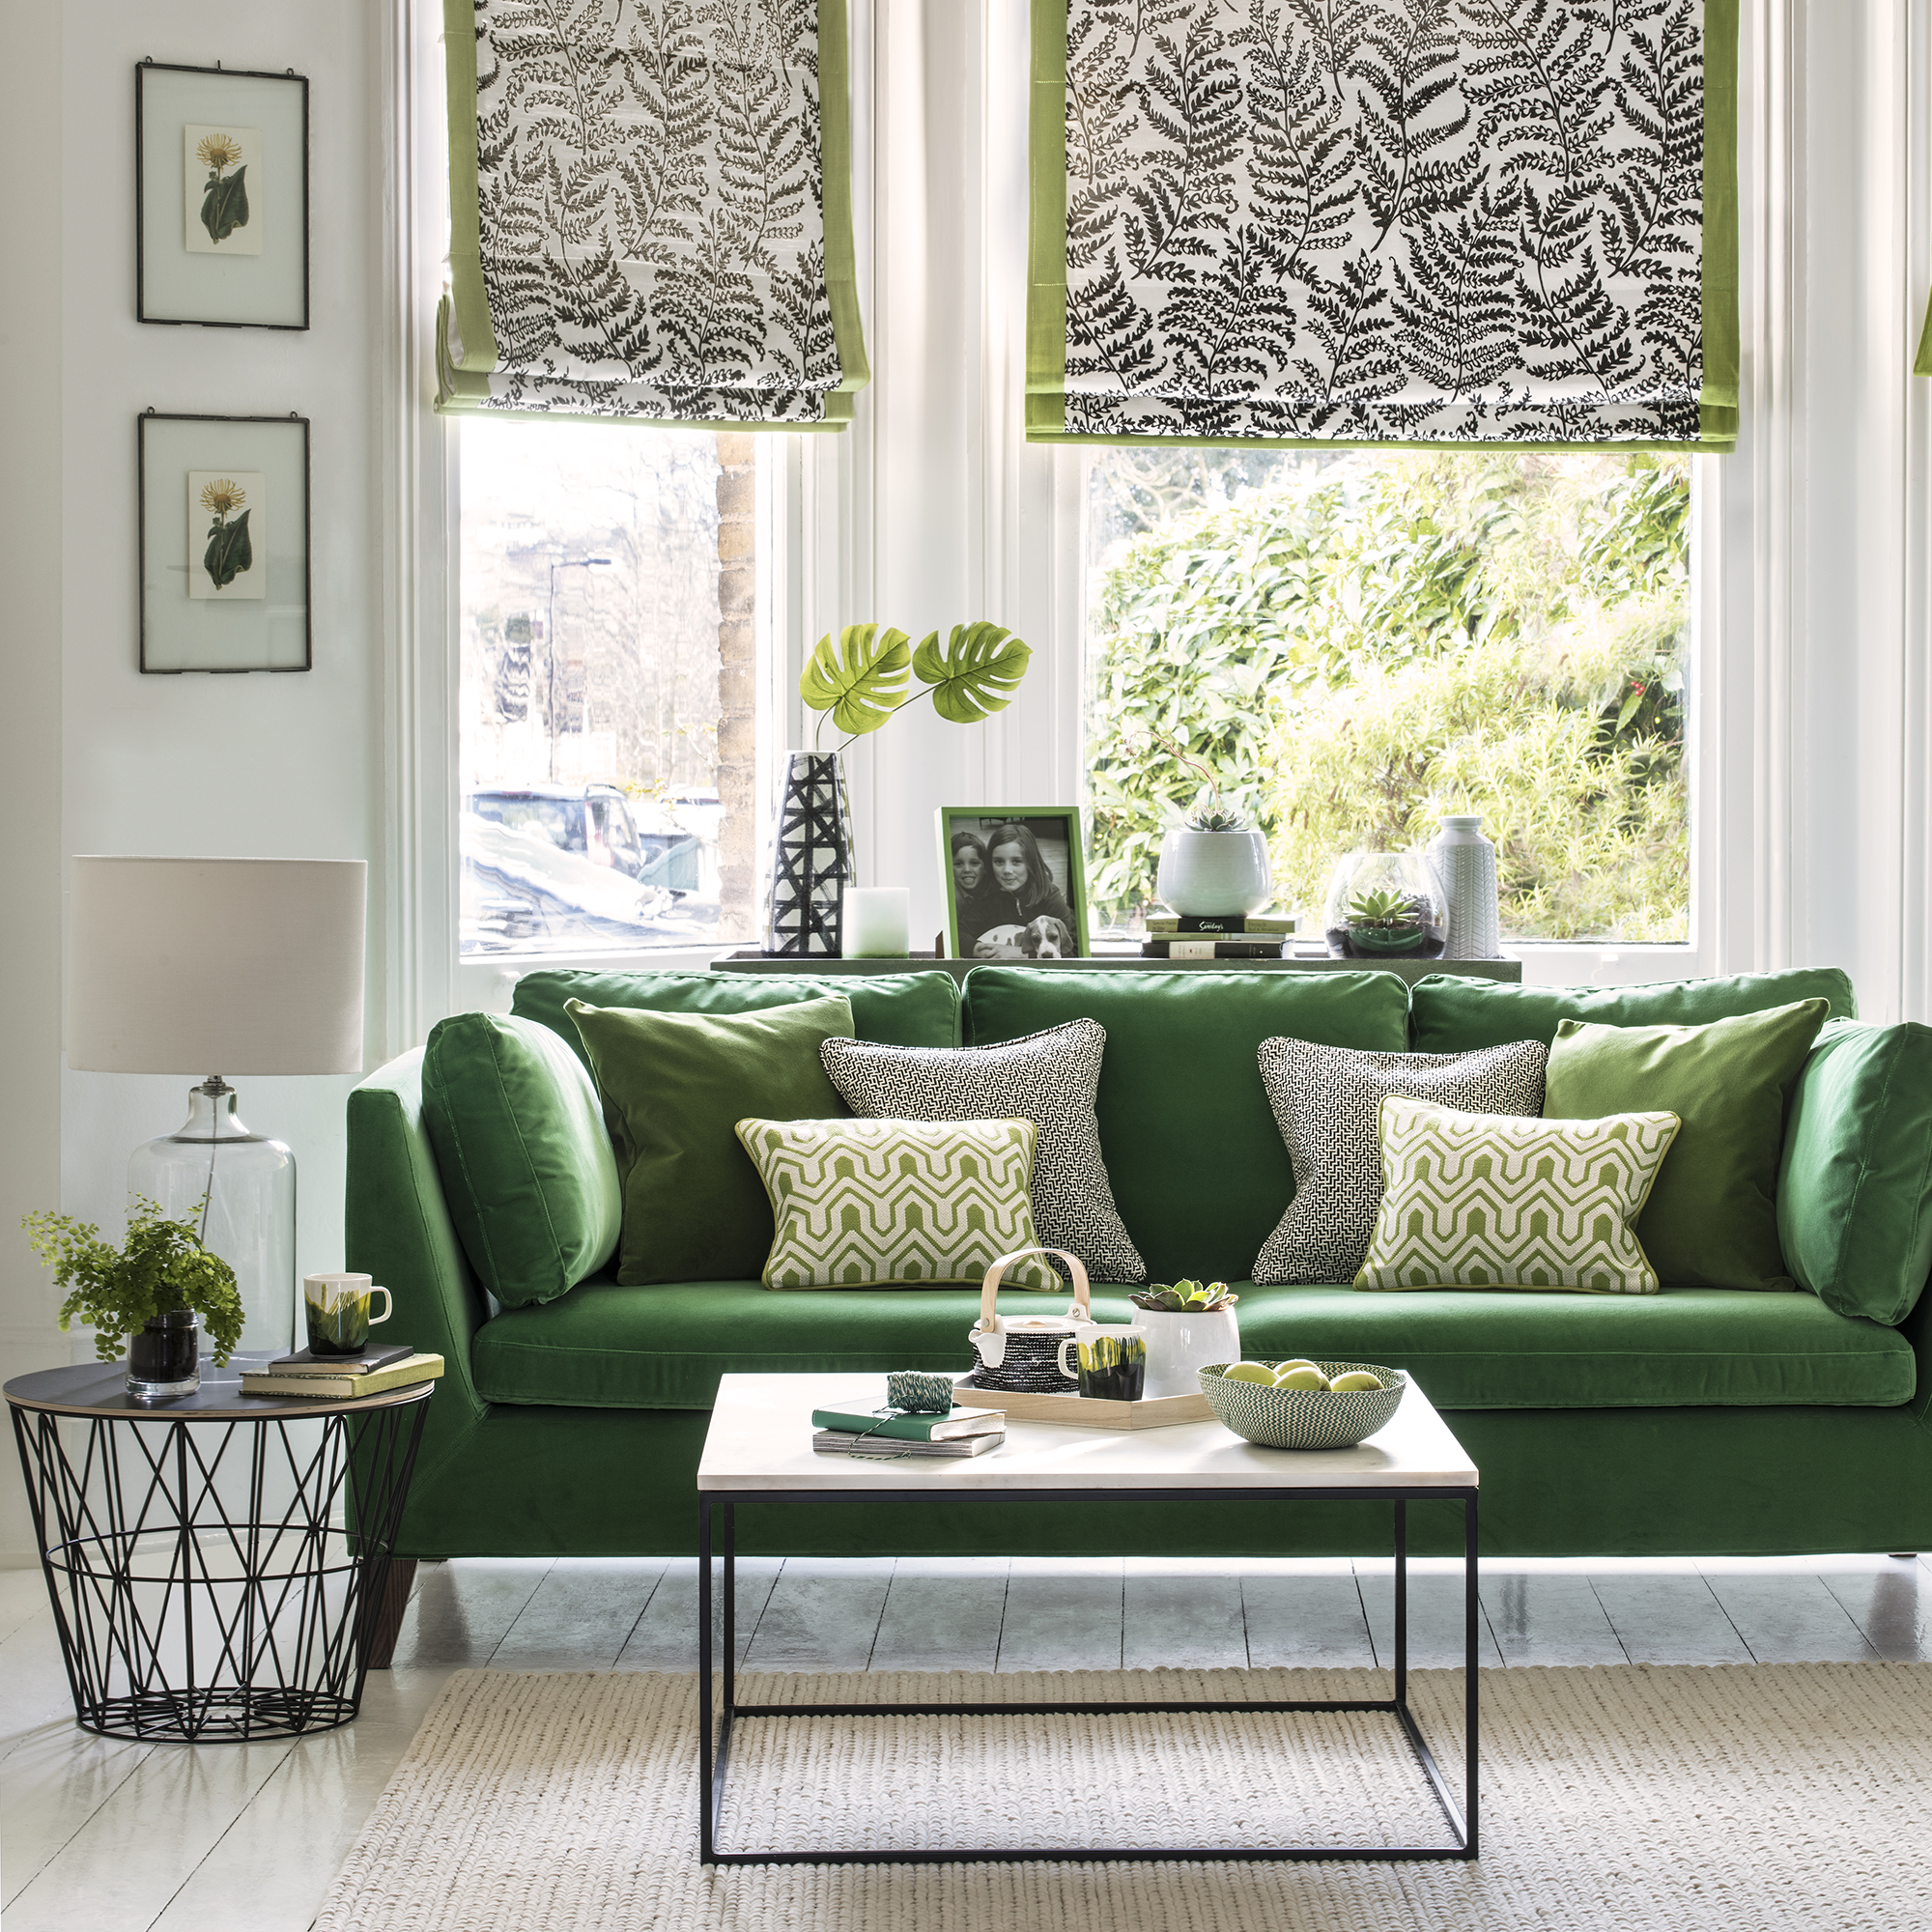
(860, 678)
(975, 674)
(224, 208)
(229, 550)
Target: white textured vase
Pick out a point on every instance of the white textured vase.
(1182, 1343)
(1209, 872)
(1466, 862)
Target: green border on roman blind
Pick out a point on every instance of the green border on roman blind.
(1718, 404)
(1046, 224)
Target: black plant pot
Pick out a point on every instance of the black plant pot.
(164, 1359)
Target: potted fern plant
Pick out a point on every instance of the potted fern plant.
(858, 682)
(1214, 862)
(148, 1293)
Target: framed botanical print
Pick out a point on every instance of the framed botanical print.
(224, 528)
(220, 197)
(1016, 882)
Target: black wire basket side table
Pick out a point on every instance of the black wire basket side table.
(215, 1563)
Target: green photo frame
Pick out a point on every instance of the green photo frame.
(1014, 880)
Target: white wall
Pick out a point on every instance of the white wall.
(97, 757)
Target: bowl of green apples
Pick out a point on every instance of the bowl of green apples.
(1303, 1404)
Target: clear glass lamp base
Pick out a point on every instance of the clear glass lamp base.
(237, 1190)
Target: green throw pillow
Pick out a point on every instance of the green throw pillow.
(675, 1088)
(1450, 1014)
(1501, 1201)
(895, 1203)
(526, 1163)
(1854, 1192)
(1711, 1220)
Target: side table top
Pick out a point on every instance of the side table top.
(100, 1389)
(761, 1438)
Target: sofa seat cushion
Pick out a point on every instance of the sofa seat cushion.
(605, 1347)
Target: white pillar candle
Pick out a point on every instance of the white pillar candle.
(877, 921)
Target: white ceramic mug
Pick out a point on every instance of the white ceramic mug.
(339, 1312)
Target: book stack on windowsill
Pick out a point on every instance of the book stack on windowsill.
(888, 1435)
(342, 1378)
(1217, 936)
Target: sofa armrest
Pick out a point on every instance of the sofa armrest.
(397, 1229)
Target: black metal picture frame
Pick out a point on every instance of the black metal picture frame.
(150, 548)
(1043, 913)
(144, 298)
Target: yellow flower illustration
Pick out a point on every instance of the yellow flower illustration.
(222, 496)
(219, 150)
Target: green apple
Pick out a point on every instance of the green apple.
(1248, 1372)
(1356, 1379)
(1296, 1362)
(1302, 1375)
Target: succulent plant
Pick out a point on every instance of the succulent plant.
(1211, 816)
(1383, 910)
(1184, 1297)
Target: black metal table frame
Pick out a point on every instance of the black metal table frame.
(715, 1752)
(365, 1453)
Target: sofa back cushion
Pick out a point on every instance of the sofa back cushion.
(526, 1166)
(1855, 1190)
(902, 1009)
(1198, 1169)
(1452, 1014)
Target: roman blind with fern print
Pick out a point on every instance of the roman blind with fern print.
(650, 212)
(1384, 221)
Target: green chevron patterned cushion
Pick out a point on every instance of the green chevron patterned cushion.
(895, 1203)
(1497, 1201)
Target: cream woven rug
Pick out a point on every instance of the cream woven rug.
(1773, 1795)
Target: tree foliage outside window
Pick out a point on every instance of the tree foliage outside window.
(1355, 643)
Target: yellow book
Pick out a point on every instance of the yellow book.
(346, 1387)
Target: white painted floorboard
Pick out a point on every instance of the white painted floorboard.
(96, 1837)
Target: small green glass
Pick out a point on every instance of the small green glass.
(338, 1310)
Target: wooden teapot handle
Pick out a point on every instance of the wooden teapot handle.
(989, 1292)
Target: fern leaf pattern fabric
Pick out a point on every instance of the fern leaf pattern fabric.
(1327, 1102)
(1490, 1200)
(650, 212)
(895, 1203)
(1386, 220)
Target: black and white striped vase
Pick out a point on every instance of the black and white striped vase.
(812, 859)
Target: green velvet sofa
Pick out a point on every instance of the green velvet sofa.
(1701, 1420)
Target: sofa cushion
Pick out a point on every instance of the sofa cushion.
(526, 1165)
(1712, 1218)
(1855, 1190)
(675, 1088)
(1050, 1078)
(605, 1347)
(1451, 1014)
(895, 1203)
(1198, 1168)
(1327, 1102)
(906, 1008)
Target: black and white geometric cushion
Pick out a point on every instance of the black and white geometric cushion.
(1049, 1078)
(1327, 1102)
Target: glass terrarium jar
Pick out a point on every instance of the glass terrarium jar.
(237, 1190)
(1385, 905)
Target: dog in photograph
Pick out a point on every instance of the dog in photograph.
(1043, 938)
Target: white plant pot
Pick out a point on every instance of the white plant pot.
(1180, 1345)
(1209, 872)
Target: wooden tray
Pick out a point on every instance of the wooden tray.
(1083, 1411)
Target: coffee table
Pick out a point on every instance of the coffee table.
(758, 1450)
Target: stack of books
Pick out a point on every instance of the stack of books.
(890, 1435)
(1217, 936)
(342, 1378)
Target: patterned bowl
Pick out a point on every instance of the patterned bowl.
(1304, 1418)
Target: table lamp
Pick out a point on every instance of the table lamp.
(248, 965)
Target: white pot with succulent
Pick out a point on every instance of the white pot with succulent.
(1190, 1326)
(1214, 862)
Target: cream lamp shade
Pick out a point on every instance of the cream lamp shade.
(215, 965)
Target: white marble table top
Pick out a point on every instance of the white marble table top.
(761, 1438)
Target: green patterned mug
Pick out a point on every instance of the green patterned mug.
(337, 1306)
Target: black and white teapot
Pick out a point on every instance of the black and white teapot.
(1021, 1353)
